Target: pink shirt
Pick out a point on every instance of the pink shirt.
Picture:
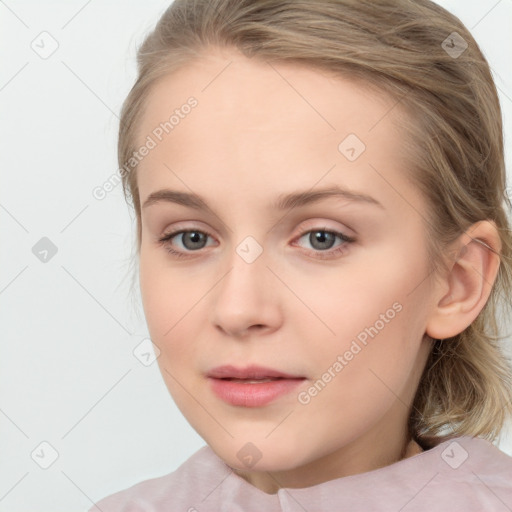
(466, 474)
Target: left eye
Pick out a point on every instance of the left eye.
(322, 240)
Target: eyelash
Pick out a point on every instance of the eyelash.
(328, 254)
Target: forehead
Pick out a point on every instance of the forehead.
(258, 122)
(251, 91)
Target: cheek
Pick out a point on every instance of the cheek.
(173, 310)
(155, 298)
(366, 367)
(349, 300)
(372, 305)
(164, 297)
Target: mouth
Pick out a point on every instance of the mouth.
(252, 381)
(252, 372)
(253, 386)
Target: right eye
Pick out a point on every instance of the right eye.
(192, 240)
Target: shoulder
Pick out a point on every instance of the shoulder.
(463, 474)
(477, 456)
(178, 488)
(471, 473)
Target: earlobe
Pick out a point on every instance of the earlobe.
(465, 289)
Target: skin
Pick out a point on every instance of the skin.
(260, 131)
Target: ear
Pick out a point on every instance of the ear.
(462, 293)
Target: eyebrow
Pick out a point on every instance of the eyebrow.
(283, 202)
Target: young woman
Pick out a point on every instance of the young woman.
(319, 187)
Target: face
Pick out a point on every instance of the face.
(327, 289)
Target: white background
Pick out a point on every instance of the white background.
(68, 375)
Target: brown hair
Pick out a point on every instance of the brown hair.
(455, 146)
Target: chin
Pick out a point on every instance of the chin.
(260, 455)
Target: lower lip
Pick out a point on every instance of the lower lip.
(252, 394)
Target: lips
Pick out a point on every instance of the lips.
(252, 372)
(253, 386)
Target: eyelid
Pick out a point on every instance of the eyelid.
(179, 231)
(319, 226)
(309, 226)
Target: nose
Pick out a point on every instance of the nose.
(247, 301)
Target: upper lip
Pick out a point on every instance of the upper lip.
(249, 372)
